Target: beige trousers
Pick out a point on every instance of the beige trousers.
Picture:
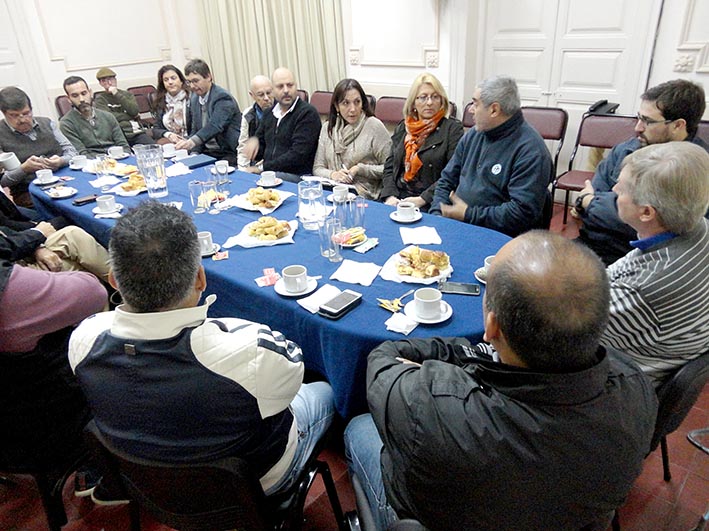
(79, 251)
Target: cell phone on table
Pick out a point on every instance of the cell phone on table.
(340, 304)
(460, 288)
(84, 200)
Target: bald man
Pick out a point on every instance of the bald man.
(261, 91)
(549, 437)
(287, 138)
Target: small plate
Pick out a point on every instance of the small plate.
(124, 156)
(62, 192)
(353, 245)
(410, 312)
(395, 216)
(350, 197)
(118, 208)
(231, 169)
(280, 288)
(277, 182)
(478, 275)
(76, 166)
(215, 248)
(49, 181)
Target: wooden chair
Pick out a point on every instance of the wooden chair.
(453, 110)
(596, 130)
(321, 101)
(62, 104)
(303, 94)
(143, 94)
(372, 102)
(468, 117)
(390, 110)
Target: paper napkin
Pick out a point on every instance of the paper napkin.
(106, 180)
(398, 322)
(321, 296)
(356, 272)
(177, 169)
(419, 235)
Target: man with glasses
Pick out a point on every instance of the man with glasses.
(261, 90)
(36, 141)
(215, 116)
(668, 112)
(499, 173)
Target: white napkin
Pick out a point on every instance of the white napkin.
(419, 235)
(112, 215)
(356, 272)
(321, 296)
(104, 181)
(244, 240)
(398, 322)
(177, 169)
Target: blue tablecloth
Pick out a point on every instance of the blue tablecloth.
(336, 349)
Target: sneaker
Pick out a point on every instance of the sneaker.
(85, 480)
(108, 495)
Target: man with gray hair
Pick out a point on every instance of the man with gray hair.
(660, 289)
(261, 91)
(499, 174)
(166, 383)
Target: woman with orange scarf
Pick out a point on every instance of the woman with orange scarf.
(422, 145)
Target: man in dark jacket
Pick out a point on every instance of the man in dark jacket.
(668, 112)
(500, 171)
(549, 436)
(215, 118)
(287, 138)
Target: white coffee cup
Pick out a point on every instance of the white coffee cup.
(428, 302)
(168, 149)
(340, 192)
(106, 203)
(488, 262)
(79, 161)
(44, 176)
(295, 278)
(9, 161)
(406, 210)
(222, 167)
(206, 245)
(181, 153)
(116, 151)
(268, 178)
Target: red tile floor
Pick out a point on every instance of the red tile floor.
(653, 504)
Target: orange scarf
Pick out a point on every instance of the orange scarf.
(416, 133)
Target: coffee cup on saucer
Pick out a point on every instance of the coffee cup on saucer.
(44, 176)
(268, 178)
(406, 210)
(488, 263)
(116, 152)
(340, 192)
(295, 278)
(168, 150)
(9, 161)
(427, 303)
(79, 161)
(106, 203)
(206, 245)
(181, 153)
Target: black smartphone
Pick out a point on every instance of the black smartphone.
(84, 200)
(340, 304)
(459, 287)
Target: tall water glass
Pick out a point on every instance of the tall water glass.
(152, 165)
(311, 204)
(356, 212)
(197, 197)
(221, 169)
(330, 246)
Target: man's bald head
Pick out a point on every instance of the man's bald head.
(551, 299)
(261, 91)
(285, 90)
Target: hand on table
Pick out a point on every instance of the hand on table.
(391, 201)
(174, 137)
(416, 200)
(341, 177)
(184, 144)
(55, 162)
(457, 208)
(48, 260)
(35, 163)
(253, 169)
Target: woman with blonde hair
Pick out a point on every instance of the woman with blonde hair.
(422, 144)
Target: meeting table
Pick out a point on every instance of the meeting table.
(336, 349)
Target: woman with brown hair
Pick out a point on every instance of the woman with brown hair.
(171, 105)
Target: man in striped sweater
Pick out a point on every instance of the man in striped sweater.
(660, 289)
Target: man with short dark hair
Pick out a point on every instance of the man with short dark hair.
(287, 138)
(36, 141)
(670, 111)
(91, 130)
(215, 116)
(549, 436)
(261, 91)
(660, 290)
(191, 389)
(499, 173)
(123, 106)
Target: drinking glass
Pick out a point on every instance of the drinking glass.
(221, 169)
(311, 204)
(210, 195)
(196, 197)
(330, 245)
(152, 166)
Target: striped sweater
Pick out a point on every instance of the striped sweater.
(660, 303)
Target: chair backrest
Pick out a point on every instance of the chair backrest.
(703, 131)
(453, 110)
(321, 101)
(223, 494)
(62, 104)
(142, 89)
(372, 102)
(550, 123)
(678, 394)
(303, 94)
(468, 118)
(603, 131)
(390, 109)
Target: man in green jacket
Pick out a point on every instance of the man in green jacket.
(124, 107)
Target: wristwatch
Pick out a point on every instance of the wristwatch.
(578, 205)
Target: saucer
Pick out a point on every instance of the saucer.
(410, 312)
(277, 182)
(124, 156)
(353, 245)
(229, 170)
(48, 181)
(97, 210)
(215, 248)
(61, 192)
(395, 216)
(478, 272)
(280, 288)
(76, 166)
(350, 197)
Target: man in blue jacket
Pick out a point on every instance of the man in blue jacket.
(668, 112)
(215, 115)
(500, 171)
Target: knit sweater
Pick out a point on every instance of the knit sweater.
(124, 108)
(93, 139)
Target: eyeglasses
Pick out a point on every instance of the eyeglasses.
(19, 115)
(192, 82)
(423, 98)
(650, 121)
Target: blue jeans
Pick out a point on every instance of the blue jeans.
(363, 448)
(313, 408)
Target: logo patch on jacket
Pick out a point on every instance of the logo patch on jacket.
(497, 168)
